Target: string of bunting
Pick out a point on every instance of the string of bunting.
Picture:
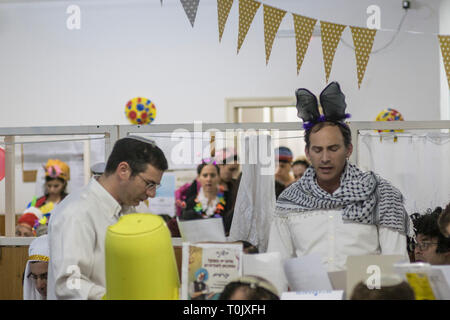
(331, 33)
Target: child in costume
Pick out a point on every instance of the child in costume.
(26, 222)
(57, 174)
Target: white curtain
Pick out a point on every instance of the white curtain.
(416, 163)
(255, 201)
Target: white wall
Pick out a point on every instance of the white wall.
(53, 76)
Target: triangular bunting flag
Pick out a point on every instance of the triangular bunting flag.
(247, 11)
(223, 10)
(272, 21)
(363, 40)
(331, 35)
(445, 50)
(190, 7)
(304, 28)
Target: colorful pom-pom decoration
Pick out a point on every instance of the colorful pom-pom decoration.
(140, 111)
(389, 114)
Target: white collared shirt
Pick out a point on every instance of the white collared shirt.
(77, 232)
(324, 232)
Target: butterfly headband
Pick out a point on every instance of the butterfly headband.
(209, 161)
(54, 171)
(332, 101)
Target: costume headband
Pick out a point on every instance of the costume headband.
(57, 169)
(209, 161)
(38, 257)
(332, 101)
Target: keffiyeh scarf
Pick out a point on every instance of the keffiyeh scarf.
(364, 197)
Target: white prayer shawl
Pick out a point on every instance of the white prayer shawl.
(255, 201)
(38, 251)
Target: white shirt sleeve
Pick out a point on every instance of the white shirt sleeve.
(71, 247)
(392, 242)
(280, 239)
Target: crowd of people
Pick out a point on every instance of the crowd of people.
(325, 205)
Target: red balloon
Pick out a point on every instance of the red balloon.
(2, 164)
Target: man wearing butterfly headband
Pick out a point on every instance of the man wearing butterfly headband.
(335, 209)
(78, 226)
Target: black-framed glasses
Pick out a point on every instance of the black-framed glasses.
(149, 184)
(34, 277)
(422, 246)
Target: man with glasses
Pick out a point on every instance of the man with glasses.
(78, 225)
(430, 246)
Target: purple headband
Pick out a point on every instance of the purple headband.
(209, 161)
(309, 124)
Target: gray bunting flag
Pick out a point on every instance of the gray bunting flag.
(190, 7)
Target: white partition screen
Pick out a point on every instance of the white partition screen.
(416, 163)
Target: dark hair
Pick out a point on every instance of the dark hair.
(444, 220)
(248, 247)
(255, 288)
(48, 178)
(36, 261)
(138, 154)
(401, 291)
(302, 162)
(204, 164)
(279, 188)
(345, 130)
(427, 225)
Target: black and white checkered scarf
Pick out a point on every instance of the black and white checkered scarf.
(365, 197)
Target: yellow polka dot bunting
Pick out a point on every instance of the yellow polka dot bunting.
(247, 11)
(331, 35)
(272, 21)
(304, 28)
(223, 10)
(363, 40)
(445, 50)
(190, 8)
